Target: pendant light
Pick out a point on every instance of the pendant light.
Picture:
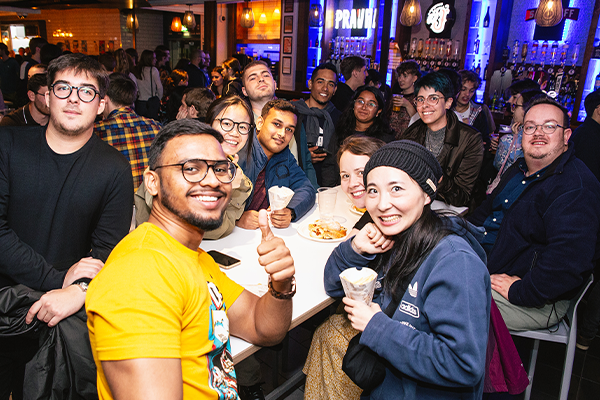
(315, 16)
(176, 25)
(188, 18)
(247, 20)
(263, 16)
(132, 21)
(276, 14)
(549, 13)
(411, 13)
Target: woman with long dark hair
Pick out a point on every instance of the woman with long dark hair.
(365, 116)
(232, 77)
(218, 81)
(124, 65)
(432, 283)
(176, 83)
(149, 86)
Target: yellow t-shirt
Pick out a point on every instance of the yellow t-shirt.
(155, 298)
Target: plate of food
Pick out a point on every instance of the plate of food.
(356, 210)
(323, 231)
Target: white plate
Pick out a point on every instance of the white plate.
(355, 211)
(305, 233)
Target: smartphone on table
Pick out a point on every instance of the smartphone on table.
(223, 260)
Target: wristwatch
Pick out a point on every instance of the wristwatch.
(283, 295)
(82, 285)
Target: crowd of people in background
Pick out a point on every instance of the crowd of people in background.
(394, 150)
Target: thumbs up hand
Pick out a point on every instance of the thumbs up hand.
(273, 254)
(263, 224)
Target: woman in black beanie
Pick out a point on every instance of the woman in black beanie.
(433, 342)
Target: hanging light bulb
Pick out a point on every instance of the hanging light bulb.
(132, 21)
(176, 25)
(247, 20)
(411, 13)
(549, 13)
(276, 14)
(315, 16)
(262, 19)
(188, 18)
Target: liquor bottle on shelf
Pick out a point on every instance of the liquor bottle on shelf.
(413, 47)
(485, 71)
(596, 52)
(476, 45)
(441, 53)
(434, 51)
(478, 69)
(425, 63)
(317, 42)
(486, 19)
(448, 55)
(420, 49)
(515, 54)
(456, 55)
(553, 53)
(574, 58)
(494, 105)
(531, 69)
(543, 55)
(597, 82)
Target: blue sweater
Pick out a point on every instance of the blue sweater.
(549, 236)
(436, 340)
(281, 170)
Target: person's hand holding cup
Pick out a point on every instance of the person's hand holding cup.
(397, 102)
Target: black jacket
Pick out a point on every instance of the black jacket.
(63, 367)
(460, 158)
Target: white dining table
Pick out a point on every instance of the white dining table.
(309, 256)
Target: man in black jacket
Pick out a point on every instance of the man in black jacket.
(65, 201)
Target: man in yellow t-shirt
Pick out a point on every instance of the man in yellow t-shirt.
(160, 312)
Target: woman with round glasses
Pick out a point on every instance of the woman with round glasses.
(364, 116)
(233, 118)
(509, 146)
(457, 146)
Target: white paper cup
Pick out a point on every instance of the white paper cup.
(359, 284)
(279, 197)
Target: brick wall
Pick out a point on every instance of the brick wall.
(150, 32)
(90, 25)
(93, 25)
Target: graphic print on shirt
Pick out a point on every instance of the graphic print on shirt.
(221, 373)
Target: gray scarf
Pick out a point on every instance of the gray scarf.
(311, 122)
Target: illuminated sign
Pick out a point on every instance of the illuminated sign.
(440, 19)
(362, 18)
(568, 13)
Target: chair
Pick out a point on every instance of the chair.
(563, 332)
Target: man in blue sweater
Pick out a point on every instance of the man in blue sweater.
(272, 164)
(541, 223)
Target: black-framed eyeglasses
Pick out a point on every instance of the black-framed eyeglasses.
(432, 99)
(86, 94)
(195, 171)
(548, 128)
(227, 125)
(514, 106)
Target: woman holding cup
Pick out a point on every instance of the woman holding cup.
(434, 343)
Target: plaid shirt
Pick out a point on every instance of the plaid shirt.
(132, 135)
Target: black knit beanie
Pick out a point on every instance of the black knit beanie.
(412, 158)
